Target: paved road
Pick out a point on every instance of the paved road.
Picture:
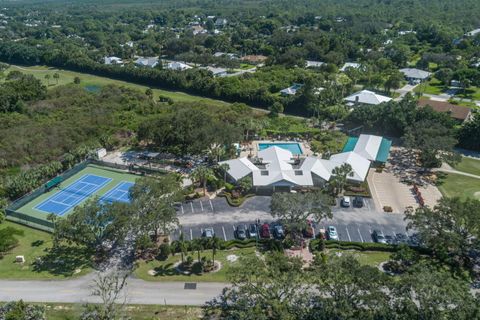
(136, 292)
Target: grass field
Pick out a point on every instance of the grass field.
(70, 311)
(455, 185)
(166, 271)
(66, 262)
(370, 258)
(115, 175)
(94, 83)
(433, 86)
(469, 165)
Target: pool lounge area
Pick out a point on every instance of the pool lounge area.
(294, 147)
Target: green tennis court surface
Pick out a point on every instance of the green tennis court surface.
(108, 184)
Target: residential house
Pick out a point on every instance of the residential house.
(366, 97)
(255, 59)
(177, 66)
(459, 113)
(313, 64)
(473, 33)
(350, 65)
(292, 90)
(112, 60)
(217, 72)
(414, 75)
(150, 62)
(221, 22)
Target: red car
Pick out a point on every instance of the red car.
(265, 231)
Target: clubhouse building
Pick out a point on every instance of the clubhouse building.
(277, 168)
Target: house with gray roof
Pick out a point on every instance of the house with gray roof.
(415, 75)
(150, 62)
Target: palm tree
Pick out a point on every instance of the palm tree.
(197, 244)
(56, 76)
(182, 245)
(215, 244)
(202, 174)
(339, 179)
(224, 167)
(47, 77)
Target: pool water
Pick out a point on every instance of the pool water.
(294, 147)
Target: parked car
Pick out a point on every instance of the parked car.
(378, 236)
(332, 233)
(265, 231)
(390, 239)
(240, 232)
(358, 202)
(252, 231)
(278, 232)
(308, 231)
(345, 202)
(401, 238)
(208, 233)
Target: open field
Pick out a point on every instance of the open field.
(70, 311)
(166, 271)
(94, 83)
(34, 244)
(469, 165)
(455, 185)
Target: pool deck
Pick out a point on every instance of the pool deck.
(252, 149)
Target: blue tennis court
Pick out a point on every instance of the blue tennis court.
(66, 199)
(120, 193)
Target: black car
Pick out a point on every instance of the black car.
(278, 232)
(241, 232)
(390, 239)
(252, 231)
(358, 202)
(401, 238)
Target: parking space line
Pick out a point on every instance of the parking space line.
(360, 234)
(201, 205)
(211, 205)
(233, 226)
(314, 233)
(191, 234)
(348, 235)
(191, 205)
(224, 235)
(181, 206)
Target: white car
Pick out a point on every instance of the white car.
(345, 202)
(332, 233)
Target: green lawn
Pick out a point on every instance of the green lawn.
(70, 311)
(94, 83)
(66, 262)
(371, 258)
(434, 86)
(455, 185)
(469, 165)
(166, 272)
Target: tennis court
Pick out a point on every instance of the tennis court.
(72, 195)
(120, 193)
(110, 185)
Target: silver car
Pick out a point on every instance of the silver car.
(332, 233)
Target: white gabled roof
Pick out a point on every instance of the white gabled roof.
(239, 168)
(350, 65)
(367, 97)
(415, 73)
(367, 146)
(359, 164)
(321, 167)
(175, 65)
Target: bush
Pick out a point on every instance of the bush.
(316, 245)
(165, 251)
(387, 209)
(229, 187)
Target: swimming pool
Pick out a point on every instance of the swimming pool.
(293, 147)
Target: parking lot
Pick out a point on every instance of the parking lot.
(352, 224)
